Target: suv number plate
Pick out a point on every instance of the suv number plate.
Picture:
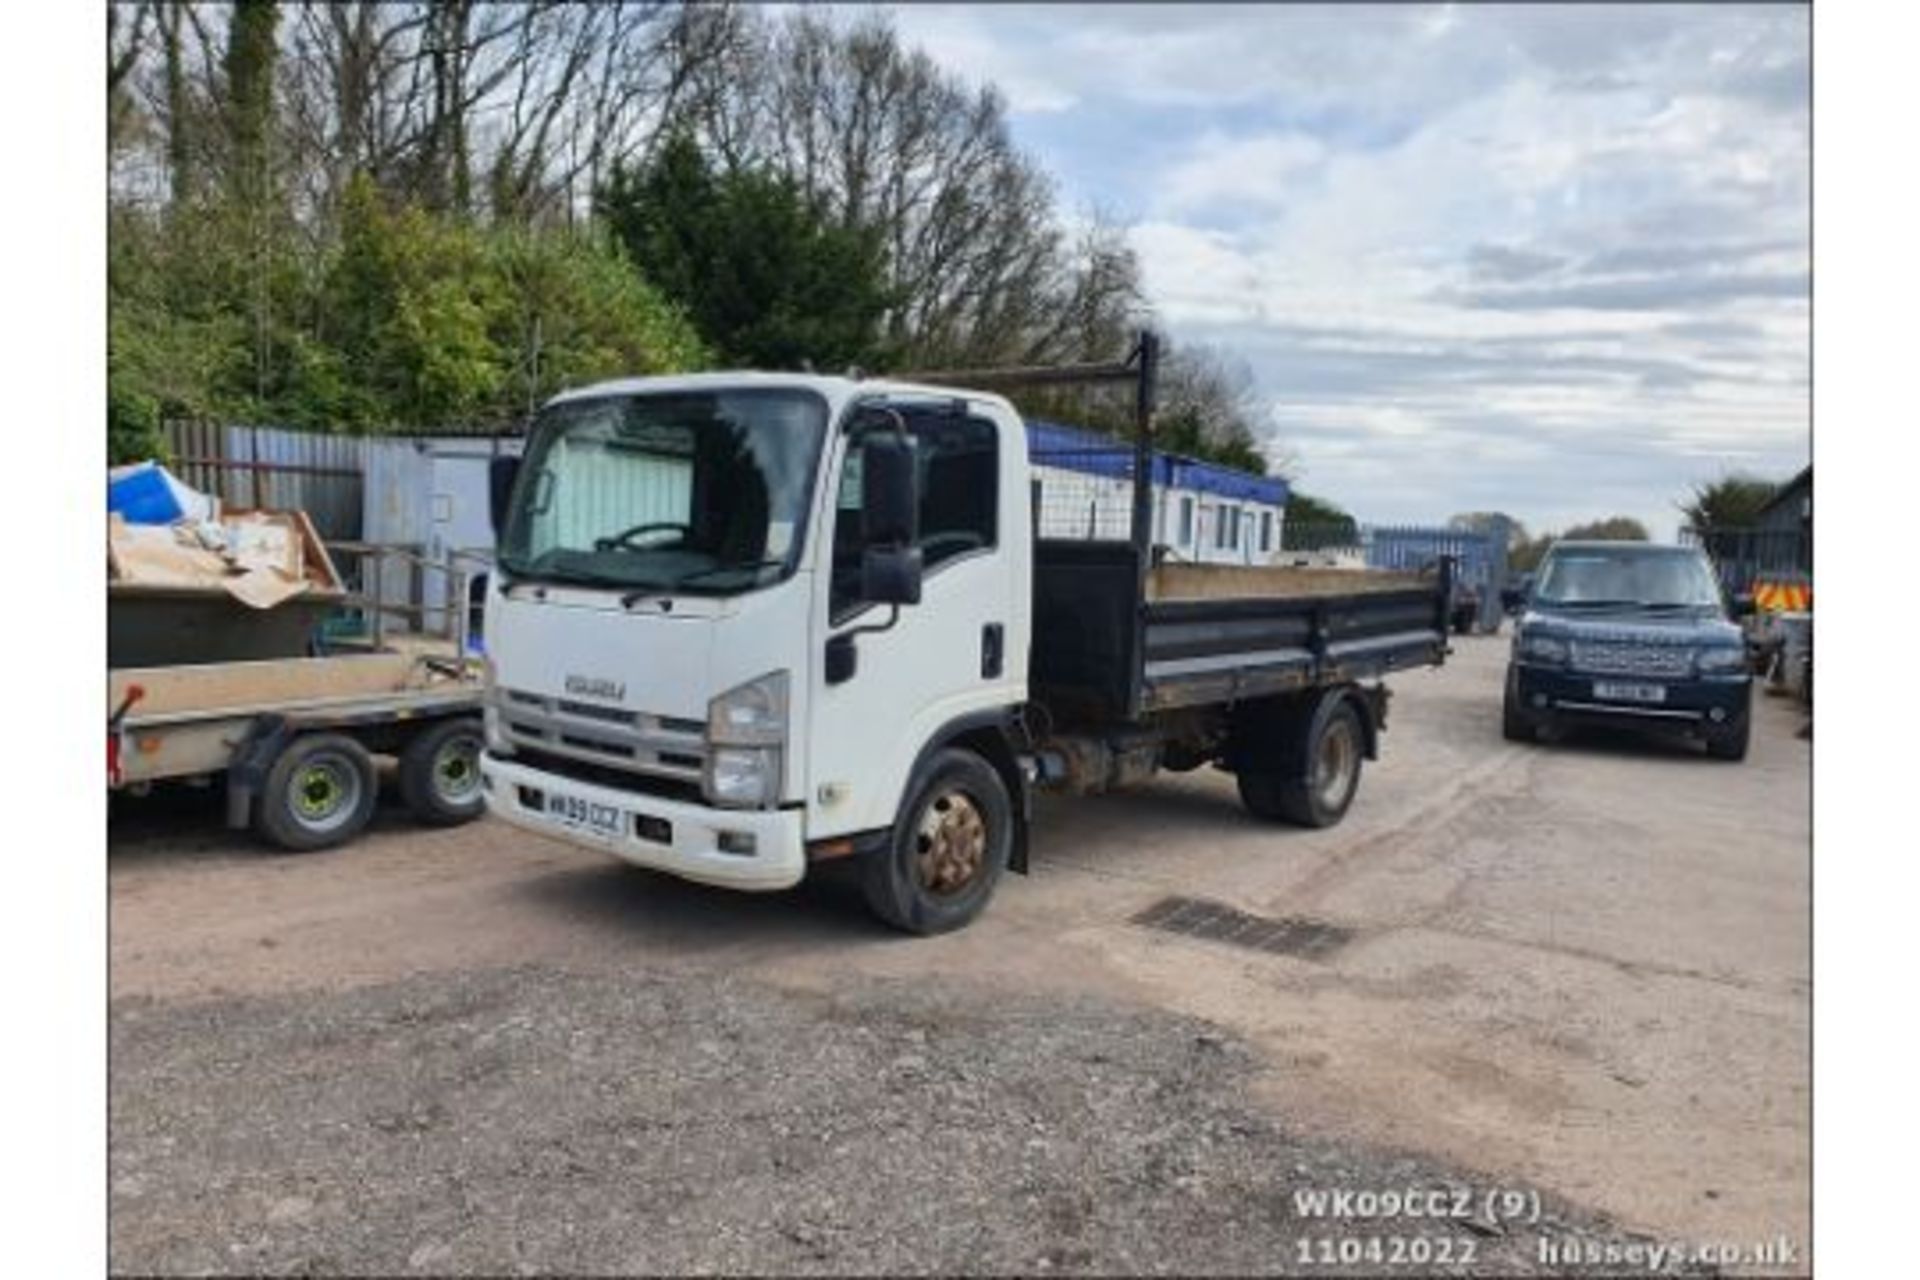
(1615, 692)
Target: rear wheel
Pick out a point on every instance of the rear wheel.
(440, 773)
(1322, 796)
(947, 850)
(319, 793)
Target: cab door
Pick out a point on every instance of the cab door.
(960, 651)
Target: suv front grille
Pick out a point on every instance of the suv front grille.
(606, 737)
(1630, 658)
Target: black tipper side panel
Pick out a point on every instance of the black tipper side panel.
(1093, 642)
(1082, 661)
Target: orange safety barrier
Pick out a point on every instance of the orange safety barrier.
(1782, 597)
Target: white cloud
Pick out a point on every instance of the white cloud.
(1240, 173)
(1548, 259)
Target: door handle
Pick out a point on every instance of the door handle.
(993, 651)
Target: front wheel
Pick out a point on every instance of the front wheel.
(947, 850)
(1322, 797)
(1514, 724)
(1732, 743)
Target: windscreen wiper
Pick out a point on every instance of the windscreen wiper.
(750, 565)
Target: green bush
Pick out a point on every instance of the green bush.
(393, 319)
(133, 427)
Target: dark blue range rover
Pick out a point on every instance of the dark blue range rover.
(1629, 634)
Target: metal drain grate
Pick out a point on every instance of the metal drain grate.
(1218, 922)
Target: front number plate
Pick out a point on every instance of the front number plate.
(585, 815)
(1614, 692)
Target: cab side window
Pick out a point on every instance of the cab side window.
(958, 469)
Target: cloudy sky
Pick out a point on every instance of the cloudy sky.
(1545, 259)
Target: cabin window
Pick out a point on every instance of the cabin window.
(1227, 531)
(1186, 521)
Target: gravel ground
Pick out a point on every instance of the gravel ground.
(537, 1119)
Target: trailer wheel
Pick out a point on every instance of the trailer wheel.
(1334, 746)
(946, 852)
(440, 773)
(319, 793)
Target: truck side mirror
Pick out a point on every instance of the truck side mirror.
(501, 473)
(890, 575)
(889, 498)
(1511, 598)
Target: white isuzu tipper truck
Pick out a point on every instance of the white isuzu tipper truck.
(745, 623)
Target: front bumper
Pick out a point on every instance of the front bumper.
(1690, 705)
(689, 844)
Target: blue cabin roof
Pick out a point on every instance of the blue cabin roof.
(1055, 444)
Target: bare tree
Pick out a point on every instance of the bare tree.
(881, 138)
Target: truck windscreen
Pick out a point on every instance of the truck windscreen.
(704, 492)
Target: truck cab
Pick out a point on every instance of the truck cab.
(1631, 635)
(708, 654)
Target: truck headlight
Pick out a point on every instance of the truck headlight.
(1547, 649)
(750, 715)
(1722, 661)
(746, 729)
(743, 776)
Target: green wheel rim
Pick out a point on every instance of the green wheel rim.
(456, 768)
(326, 792)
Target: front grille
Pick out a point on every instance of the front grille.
(600, 775)
(612, 738)
(1629, 658)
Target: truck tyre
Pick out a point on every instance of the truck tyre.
(440, 773)
(1732, 744)
(947, 850)
(320, 792)
(1320, 799)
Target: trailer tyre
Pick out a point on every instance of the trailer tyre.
(947, 851)
(319, 793)
(1333, 752)
(440, 773)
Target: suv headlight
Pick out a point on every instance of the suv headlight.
(1722, 660)
(1539, 648)
(746, 731)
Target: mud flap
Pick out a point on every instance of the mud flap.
(266, 737)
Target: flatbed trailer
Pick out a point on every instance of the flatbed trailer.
(294, 738)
